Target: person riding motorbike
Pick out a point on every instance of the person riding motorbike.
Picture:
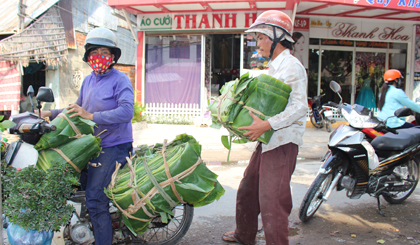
(107, 98)
(393, 98)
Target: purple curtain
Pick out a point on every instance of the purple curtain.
(173, 69)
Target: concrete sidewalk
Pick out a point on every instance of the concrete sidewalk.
(314, 146)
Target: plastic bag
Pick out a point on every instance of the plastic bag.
(18, 236)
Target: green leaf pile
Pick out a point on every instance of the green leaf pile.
(64, 133)
(145, 191)
(36, 199)
(67, 144)
(264, 95)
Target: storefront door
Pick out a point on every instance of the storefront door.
(357, 66)
(369, 70)
(336, 65)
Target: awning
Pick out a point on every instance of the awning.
(370, 9)
(43, 41)
(12, 13)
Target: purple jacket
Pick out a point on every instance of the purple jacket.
(110, 98)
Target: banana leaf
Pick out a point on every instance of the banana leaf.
(78, 151)
(264, 78)
(264, 94)
(64, 132)
(199, 188)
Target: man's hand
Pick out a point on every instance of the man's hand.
(257, 128)
(79, 111)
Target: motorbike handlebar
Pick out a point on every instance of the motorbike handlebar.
(38, 128)
(333, 104)
(48, 127)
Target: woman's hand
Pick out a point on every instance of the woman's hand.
(257, 128)
(79, 111)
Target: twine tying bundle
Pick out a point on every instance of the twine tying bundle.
(141, 203)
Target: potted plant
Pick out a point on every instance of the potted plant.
(5, 123)
(35, 202)
(139, 120)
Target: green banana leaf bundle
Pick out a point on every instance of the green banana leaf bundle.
(142, 189)
(77, 153)
(264, 95)
(65, 132)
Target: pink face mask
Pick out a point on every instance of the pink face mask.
(99, 63)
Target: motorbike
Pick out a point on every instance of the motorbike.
(387, 165)
(320, 114)
(20, 154)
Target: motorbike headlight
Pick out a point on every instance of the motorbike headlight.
(359, 121)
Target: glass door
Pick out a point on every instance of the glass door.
(336, 65)
(369, 70)
(173, 69)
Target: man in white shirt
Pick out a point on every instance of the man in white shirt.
(265, 187)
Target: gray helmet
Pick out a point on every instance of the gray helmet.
(102, 37)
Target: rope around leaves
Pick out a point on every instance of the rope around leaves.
(141, 203)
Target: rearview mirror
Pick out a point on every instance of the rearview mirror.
(45, 94)
(335, 86)
(30, 92)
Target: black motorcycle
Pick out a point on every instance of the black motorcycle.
(20, 154)
(387, 166)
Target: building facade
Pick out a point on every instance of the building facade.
(189, 49)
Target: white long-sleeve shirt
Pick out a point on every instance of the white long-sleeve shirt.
(288, 69)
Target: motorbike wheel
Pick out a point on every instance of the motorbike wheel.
(313, 198)
(328, 126)
(413, 177)
(169, 233)
(313, 121)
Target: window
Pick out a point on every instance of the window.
(179, 49)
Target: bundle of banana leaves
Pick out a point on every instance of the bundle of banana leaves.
(264, 95)
(161, 178)
(77, 153)
(67, 130)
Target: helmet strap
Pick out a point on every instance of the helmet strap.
(275, 41)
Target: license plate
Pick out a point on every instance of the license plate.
(328, 113)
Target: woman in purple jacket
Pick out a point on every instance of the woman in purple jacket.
(107, 98)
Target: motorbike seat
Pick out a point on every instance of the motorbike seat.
(397, 142)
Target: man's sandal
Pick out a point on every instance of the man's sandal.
(230, 237)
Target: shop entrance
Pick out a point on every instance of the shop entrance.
(357, 67)
(222, 60)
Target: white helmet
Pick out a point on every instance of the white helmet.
(102, 37)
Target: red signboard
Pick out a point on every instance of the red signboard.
(301, 24)
(410, 5)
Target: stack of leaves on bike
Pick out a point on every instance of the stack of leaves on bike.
(161, 178)
(77, 153)
(71, 142)
(68, 128)
(264, 95)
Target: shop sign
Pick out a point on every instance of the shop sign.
(301, 24)
(371, 44)
(196, 21)
(386, 4)
(157, 21)
(358, 30)
(336, 42)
